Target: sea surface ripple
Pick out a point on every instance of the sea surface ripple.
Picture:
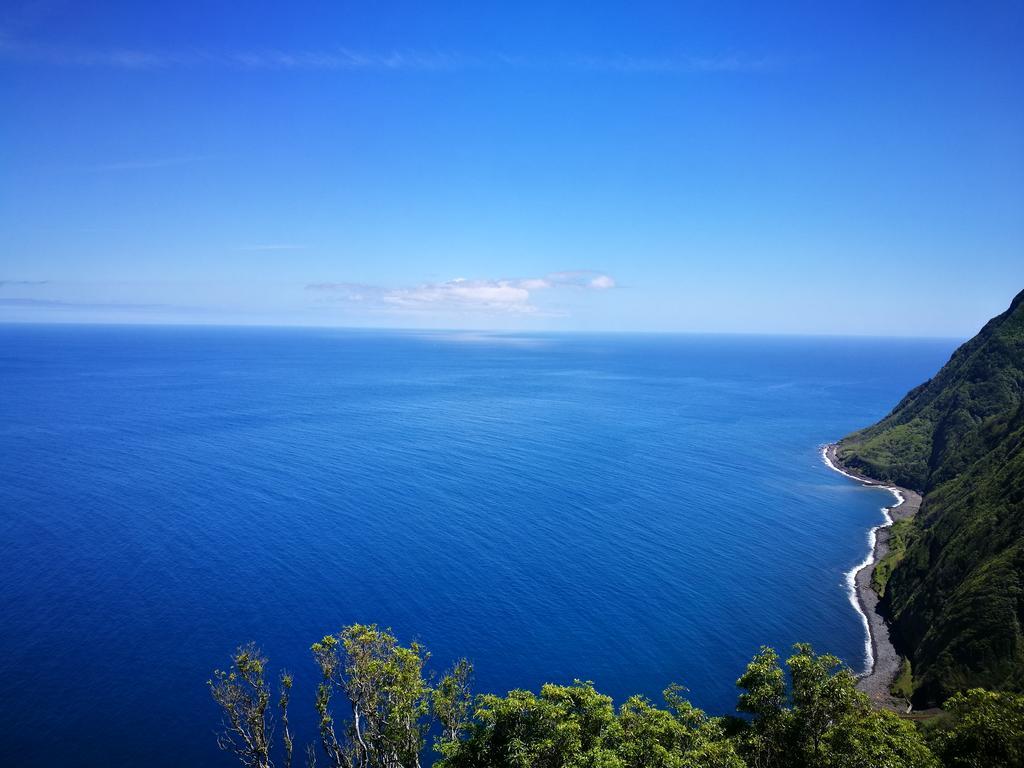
(628, 509)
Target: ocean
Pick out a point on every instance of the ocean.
(634, 510)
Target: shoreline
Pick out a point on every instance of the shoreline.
(883, 661)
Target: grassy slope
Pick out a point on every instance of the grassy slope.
(900, 536)
(956, 594)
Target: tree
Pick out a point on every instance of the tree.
(824, 691)
(680, 737)
(824, 722)
(871, 738)
(452, 701)
(563, 727)
(982, 729)
(764, 743)
(819, 721)
(388, 696)
(282, 705)
(243, 696)
(574, 726)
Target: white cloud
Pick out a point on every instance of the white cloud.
(534, 283)
(500, 295)
(582, 278)
(504, 296)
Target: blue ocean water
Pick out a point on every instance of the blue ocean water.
(633, 510)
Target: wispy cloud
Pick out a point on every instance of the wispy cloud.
(9, 301)
(22, 283)
(582, 278)
(348, 59)
(268, 59)
(674, 64)
(504, 296)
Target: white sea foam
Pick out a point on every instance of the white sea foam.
(851, 575)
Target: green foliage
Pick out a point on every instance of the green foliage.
(824, 692)
(385, 688)
(903, 685)
(953, 585)
(901, 533)
(982, 729)
(392, 705)
(764, 686)
(867, 738)
(577, 727)
(933, 433)
(563, 726)
(823, 721)
(283, 700)
(898, 454)
(819, 720)
(244, 697)
(815, 720)
(452, 700)
(764, 697)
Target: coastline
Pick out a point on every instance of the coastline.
(883, 661)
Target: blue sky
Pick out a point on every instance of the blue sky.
(847, 167)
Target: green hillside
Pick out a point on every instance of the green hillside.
(956, 596)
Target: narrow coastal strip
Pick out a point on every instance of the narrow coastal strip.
(882, 661)
(868, 562)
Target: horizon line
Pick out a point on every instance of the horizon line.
(489, 331)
